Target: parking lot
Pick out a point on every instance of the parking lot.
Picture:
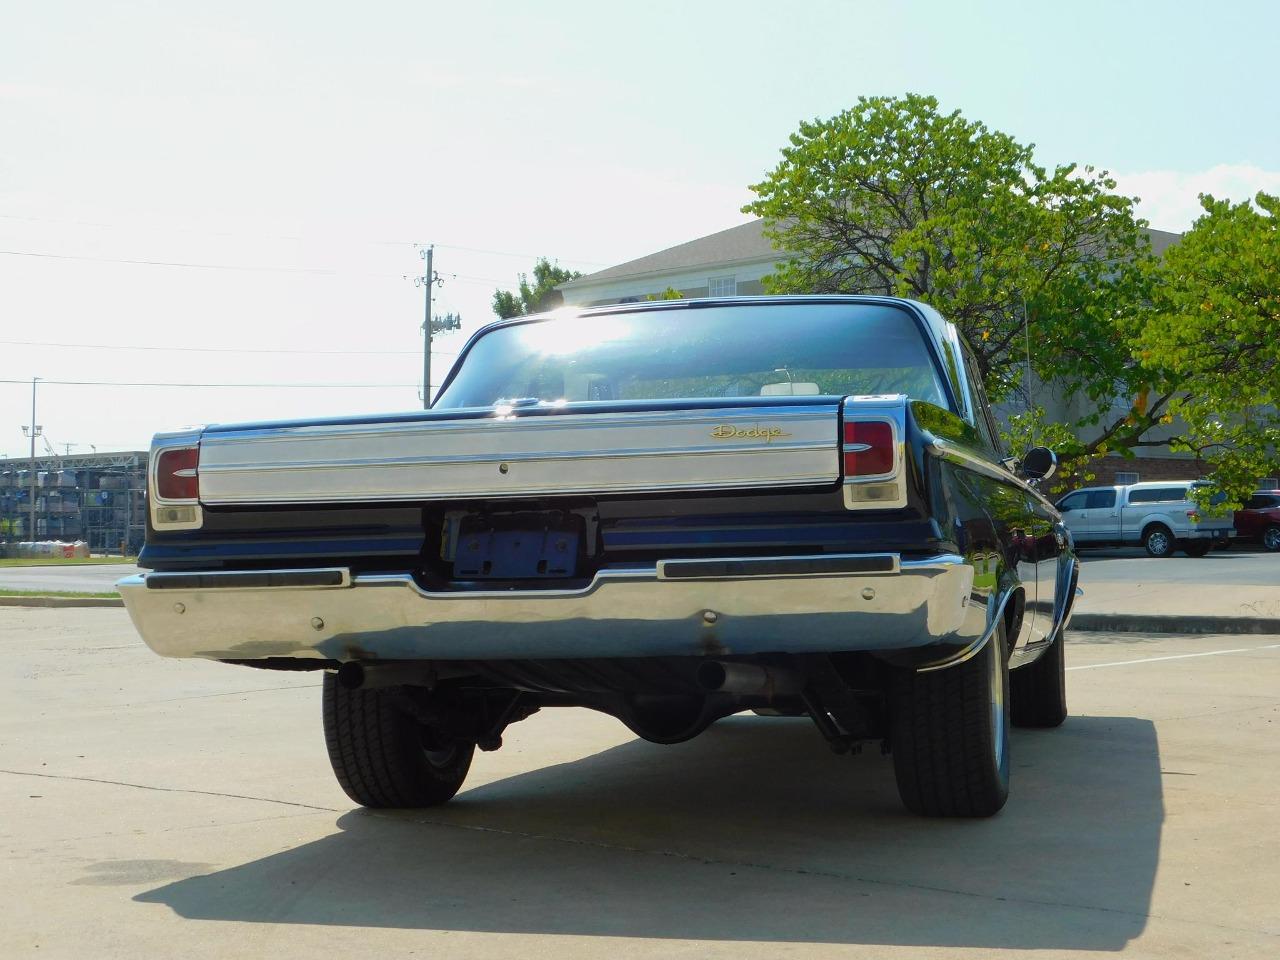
(162, 808)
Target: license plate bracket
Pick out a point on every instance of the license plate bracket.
(518, 547)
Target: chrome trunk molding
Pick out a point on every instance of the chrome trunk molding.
(495, 457)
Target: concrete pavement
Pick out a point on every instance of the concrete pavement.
(1222, 584)
(159, 808)
(75, 578)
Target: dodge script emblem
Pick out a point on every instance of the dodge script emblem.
(727, 431)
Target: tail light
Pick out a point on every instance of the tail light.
(1193, 516)
(871, 453)
(175, 482)
(176, 474)
(868, 448)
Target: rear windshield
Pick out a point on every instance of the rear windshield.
(685, 353)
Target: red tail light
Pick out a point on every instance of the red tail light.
(868, 448)
(176, 477)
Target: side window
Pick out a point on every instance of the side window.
(977, 401)
(1101, 499)
(1075, 501)
(1159, 495)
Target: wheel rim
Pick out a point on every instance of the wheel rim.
(439, 759)
(1271, 539)
(997, 702)
(1158, 542)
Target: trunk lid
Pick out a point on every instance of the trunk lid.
(575, 448)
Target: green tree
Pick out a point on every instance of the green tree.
(538, 296)
(893, 196)
(671, 293)
(1210, 343)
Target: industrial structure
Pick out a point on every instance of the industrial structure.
(99, 498)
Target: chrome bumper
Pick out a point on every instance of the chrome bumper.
(673, 608)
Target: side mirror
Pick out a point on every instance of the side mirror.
(1039, 463)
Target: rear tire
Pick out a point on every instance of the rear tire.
(382, 755)
(950, 735)
(1038, 691)
(1198, 548)
(1271, 538)
(1158, 541)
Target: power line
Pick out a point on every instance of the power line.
(171, 263)
(237, 386)
(116, 346)
(291, 238)
(244, 268)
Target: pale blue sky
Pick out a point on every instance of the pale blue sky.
(294, 135)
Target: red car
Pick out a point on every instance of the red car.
(1260, 519)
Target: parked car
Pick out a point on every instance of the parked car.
(1159, 515)
(668, 512)
(1259, 521)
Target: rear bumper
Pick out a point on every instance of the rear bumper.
(1199, 534)
(673, 608)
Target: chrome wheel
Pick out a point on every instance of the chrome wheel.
(1271, 538)
(1159, 543)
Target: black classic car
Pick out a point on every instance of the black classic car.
(669, 512)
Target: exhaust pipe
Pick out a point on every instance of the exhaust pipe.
(748, 679)
(357, 675)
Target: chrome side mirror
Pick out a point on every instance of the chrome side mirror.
(1039, 463)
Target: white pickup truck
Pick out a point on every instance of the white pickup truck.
(1159, 515)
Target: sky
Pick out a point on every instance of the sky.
(234, 195)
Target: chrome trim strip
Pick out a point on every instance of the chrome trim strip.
(559, 422)
(973, 649)
(507, 458)
(629, 612)
(959, 454)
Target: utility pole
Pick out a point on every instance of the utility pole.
(428, 281)
(35, 432)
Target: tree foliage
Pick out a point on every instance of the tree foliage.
(671, 293)
(895, 197)
(536, 297)
(1210, 341)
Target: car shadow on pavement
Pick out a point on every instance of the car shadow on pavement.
(752, 832)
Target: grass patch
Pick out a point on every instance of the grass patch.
(61, 561)
(57, 593)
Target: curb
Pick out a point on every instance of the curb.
(61, 602)
(1158, 623)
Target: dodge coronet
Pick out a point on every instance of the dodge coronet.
(669, 512)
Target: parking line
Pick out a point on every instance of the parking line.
(1179, 656)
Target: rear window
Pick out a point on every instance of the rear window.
(1099, 499)
(1158, 495)
(1261, 501)
(723, 351)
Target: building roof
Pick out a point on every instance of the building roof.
(743, 243)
